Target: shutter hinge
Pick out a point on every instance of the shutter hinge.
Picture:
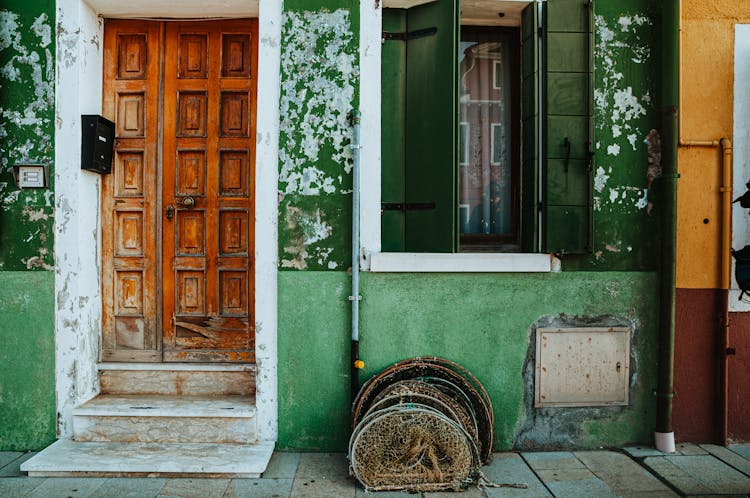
(409, 35)
(407, 206)
(540, 206)
(540, 31)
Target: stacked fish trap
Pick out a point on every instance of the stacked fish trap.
(423, 424)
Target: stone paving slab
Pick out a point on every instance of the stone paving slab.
(729, 457)
(247, 488)
(690, 449)
(361, 493)
(552, 460)
(7, 457)
(574, 483)
(15, 487)
(621, 474)
(699, 475)
(323, 475)
(741, 449)
(471, 492)
(67, 487)
(129, 487)
(509, 468)
(643, 451)
(323, 488)
(195, 488)
(283, 465)
(13, 469)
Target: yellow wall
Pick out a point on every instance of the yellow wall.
(706, 101)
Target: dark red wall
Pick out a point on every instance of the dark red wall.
(696, 401)
(739, 377)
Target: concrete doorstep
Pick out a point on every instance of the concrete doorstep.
(705, 470)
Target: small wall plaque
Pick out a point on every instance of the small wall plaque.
(30, 175)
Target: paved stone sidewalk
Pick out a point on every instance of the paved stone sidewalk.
(705, 470)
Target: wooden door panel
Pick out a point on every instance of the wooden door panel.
(192, 56)
(236, 55)
(191, 173)
(208, 124)
(130, 325)
(233, 173)
(177, 284)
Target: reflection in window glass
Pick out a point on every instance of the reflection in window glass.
(486, 177)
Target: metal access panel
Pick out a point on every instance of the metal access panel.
(582, 366)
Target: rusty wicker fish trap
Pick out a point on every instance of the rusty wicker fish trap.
(422, 424)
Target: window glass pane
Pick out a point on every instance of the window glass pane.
(486, 142)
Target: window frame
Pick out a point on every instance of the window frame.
(371, 257)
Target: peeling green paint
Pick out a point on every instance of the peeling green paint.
(625, 234)
(26, 131)
(319, 71)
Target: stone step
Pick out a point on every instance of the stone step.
(166, 419)
(177, 379)
(72, 458)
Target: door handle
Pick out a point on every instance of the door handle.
(188, 202)
(169, 212)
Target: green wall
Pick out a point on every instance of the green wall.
(27, 351)
(483, 322)
(27, 367)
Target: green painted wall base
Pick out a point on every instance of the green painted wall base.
(27, 360)
(482, 321)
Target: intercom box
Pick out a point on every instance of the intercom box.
(97, 143)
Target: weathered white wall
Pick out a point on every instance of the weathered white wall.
(741, 146)
(266, 217)
(78, 90)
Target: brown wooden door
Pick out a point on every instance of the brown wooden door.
(178, 208)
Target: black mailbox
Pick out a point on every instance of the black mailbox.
(97, 143)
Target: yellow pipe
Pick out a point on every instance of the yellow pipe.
(699, 143)
(726, 214)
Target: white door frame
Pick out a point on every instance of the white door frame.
(78, 90)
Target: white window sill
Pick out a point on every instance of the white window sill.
(419, 262)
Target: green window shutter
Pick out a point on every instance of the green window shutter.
(530, 126)
(393, 112)
(419, 128)
(431, 122)
(568, 127)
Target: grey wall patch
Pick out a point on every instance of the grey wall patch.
(562, 427)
